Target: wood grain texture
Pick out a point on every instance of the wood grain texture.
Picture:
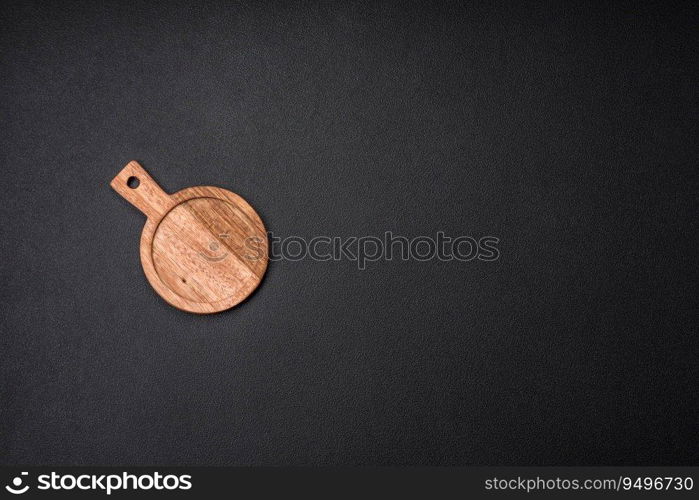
(203, 249)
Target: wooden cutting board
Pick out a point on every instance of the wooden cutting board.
(203, 249)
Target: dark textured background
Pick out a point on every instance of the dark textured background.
(566, 129)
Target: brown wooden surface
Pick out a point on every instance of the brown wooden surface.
(203, 249)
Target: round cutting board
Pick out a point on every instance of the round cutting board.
(203, 249)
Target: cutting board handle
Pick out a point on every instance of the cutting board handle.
(139, 188)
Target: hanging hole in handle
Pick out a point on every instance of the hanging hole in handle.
(132, 182)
